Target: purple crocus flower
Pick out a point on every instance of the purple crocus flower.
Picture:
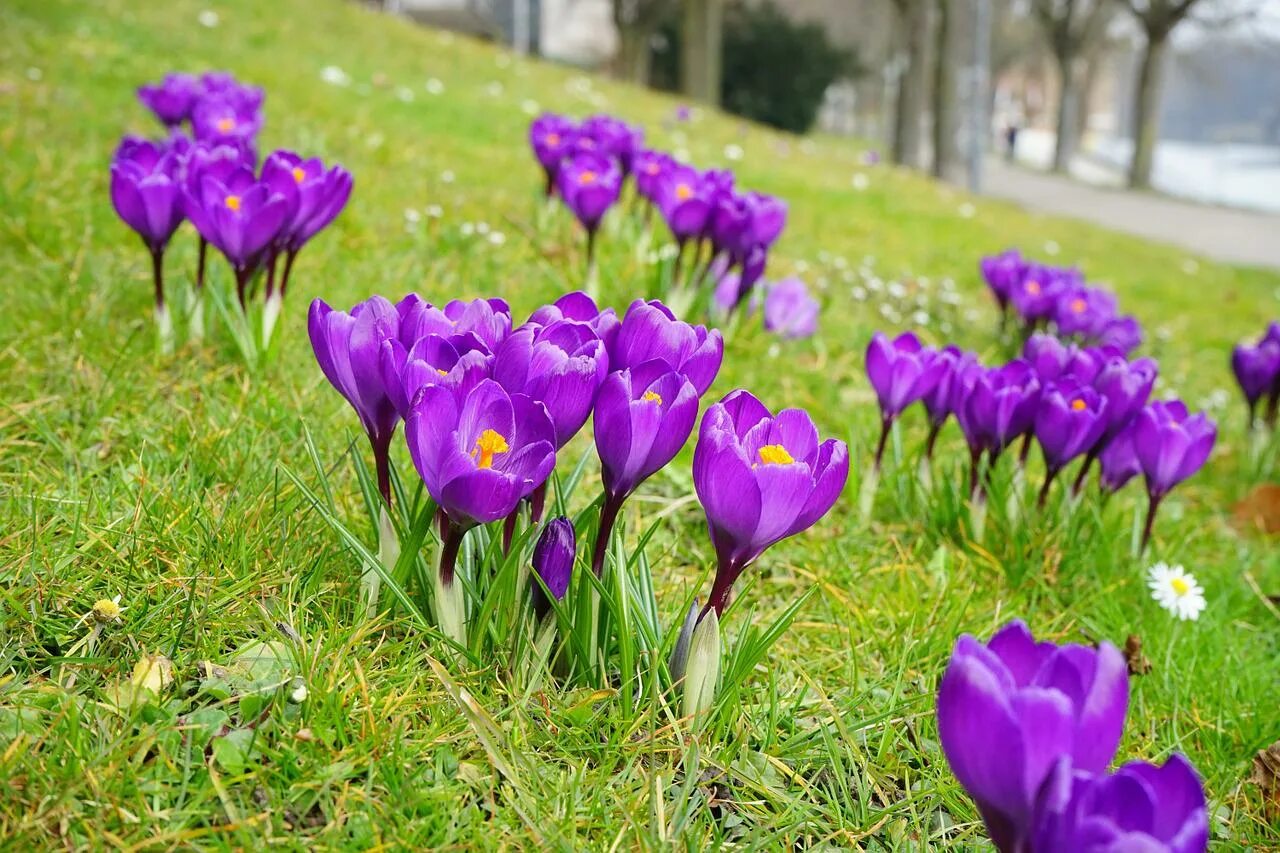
(685, 203)
(650, 331)
(643, 416)
(1126, 386)
(1069, 421)
(147, 195)
(1171, 445)
(1257, 370)
(651, 168)
(614, 138)
(172, 99)
(322, 194)
(1118, 463)
(1084, 312)
(1035, 298)
(1140, 807)
(578, 306)
(589, 185)
(1123, 333)
(560, 365)
(479, 454)
(1052, 359)
(459, 362)
(1010, 709)
(951, 362)
(553, 562)
(1003, 273)
(223, 85)
(901, 372)
(242, 223)
(348, 348)
(761, 478)
(789, 309)
(768, 216)
(225, 120)
(551, 136)
(994, 407)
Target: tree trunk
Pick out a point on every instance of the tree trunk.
(944, 93)
(1146, 110)
(912, 84)
(1068, 96)
(700, 39)
(632, 63)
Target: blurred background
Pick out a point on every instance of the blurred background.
(1182, 96)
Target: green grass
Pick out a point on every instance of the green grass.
(162, 481)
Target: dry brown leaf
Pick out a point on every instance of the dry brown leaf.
(1259, 511)
(1266, 775)
(1138, 663)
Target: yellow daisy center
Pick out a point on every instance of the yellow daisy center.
(652, 397)
(1180, 586)
(106, 610)
(232, 202)
(489, 443)
(775, 454)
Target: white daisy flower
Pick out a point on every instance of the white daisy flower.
(733, 152)
(434, 86)
(447, 176)
(1176, 590)
(334, 76)
(967, 210)
(208, 18)
(1051, 247)
(860, 181)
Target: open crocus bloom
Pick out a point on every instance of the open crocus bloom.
(479, 454)
(650, 331)
(458, 362)
(761, 478)
(1010, 709)
(642, 417)
(1171, 444)
(560, 365)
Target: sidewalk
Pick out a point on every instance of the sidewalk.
(1232, 236)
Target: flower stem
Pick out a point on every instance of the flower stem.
(449, 552)
(288, 269)
(720, 589)
(608, 517)
(886, 423)
(382, 464)
(537, 503)
(202, 254)
(935, 428)
(1078, 484)
(1049, 476)
(157, 276)
(509, 529)
(1153, 504)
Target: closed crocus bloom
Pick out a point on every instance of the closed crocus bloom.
(223, 85)
(1048, 355)
(761, 478)
(650, 331)
(479, 453)
(768, 218)
(1126, 386)
(1140, 807)
(1003, 273)
(550, 137)
(901, 371)
(172, 99)
(1084, 312)
(684, 203)
(589, 185)
(553, 561)
(242, 224)
(789, 309)
(1118, 462)
(650, 168)
(950, 362)
(1069, 421)
(1123, 333)
(1256, 369)
(579, 306)
(146, 191)
(1002, 405)
(730, 223)
(560, 365)
(322, 193)
(460, 363)
(487, 319)
(348, 347)
(1171, 445)
(1009, 710)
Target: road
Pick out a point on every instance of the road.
(1233, 236)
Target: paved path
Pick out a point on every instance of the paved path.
(1234, 236)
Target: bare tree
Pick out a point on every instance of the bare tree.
(637, 21)
(913, 80)
(944, 90)
(1069, 27)
(701, 39)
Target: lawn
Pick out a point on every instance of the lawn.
(166, 482)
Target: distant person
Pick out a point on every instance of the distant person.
(1010, 141)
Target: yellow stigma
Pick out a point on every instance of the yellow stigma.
(1180, 586)
(232, 202)
(587, 177)
(1078, 405)
(226, 125)
(298, 174)
(1033, 287)
(683, 192)
(489, 443)
(652, 397)
(442, 372)
(1078, 305)
(553, 139)
(775, 454)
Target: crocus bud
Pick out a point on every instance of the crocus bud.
(703, 669)
(553, 561)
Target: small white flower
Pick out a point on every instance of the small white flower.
(967, 210)
(920, 318)
(733, 152)
(404, 93)
(447, 176)
(208, 18)
(299, 693)
(35, 75)
(494, 89)
(411, 215)
(860, 181)
(1190, 267)
(434, 211)
(896, 290)
(334, 76)
(1176, 590)
(1051, 247)
(502, 60)
(858, 294)
(467, 229)
(434, 86)
(529, 107)
(497, 238)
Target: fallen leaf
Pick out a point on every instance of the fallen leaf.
(153, 673)
(1259, 511)
(1138, 663)
(1266, 775)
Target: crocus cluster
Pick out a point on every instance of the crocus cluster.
(1077, 403)
(1257, 370)
(710, 219)
(258, 218)
(487, 409)
(1043, 296)
(1030, 730)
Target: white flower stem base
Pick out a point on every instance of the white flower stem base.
(388, 556)
(924, 473)
(702, 674)
(867, 494)
(164, 329)
(195, 317)
(270, 314)
(451, 609)
(978, 517)
(1017, 492)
